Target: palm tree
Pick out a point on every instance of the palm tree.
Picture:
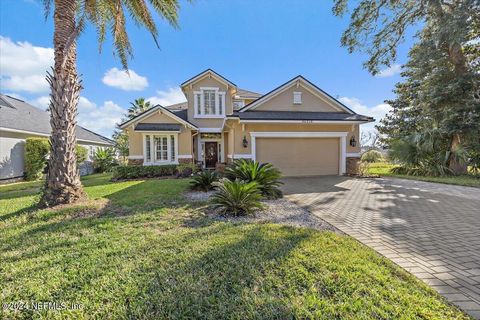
(70, 17)
(138, 106)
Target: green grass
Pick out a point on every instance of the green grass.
(383, 169)
(138, 250)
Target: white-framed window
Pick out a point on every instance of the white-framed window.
(148, 152)
(297, 97)
(91, 152)
(160, 148)
(238, 104)
(209, 103)
(172, 149)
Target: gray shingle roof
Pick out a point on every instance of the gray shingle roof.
(246, 94)
(178, 106)
(298, 115)
(158, 127)
(19, 115)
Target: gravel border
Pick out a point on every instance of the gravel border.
(198, 196)
(280, 211)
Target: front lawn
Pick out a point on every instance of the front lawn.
(138, 250)
(383, 169)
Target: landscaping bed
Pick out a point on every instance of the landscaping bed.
(383, 169)
(279, 211)
(143, 251)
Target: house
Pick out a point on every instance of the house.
(20, 120)
(297, 127)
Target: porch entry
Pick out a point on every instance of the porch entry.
(211, 149)
(211, 154)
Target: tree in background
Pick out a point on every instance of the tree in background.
(121, 143)
(138, 106)
(441, 88)
(70, 18)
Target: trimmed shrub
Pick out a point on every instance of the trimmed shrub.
(371, 156)
(82, 153)
(36, 155)
(186, 170)
(36, 151)
(236, 197)
(104, 160)
(265, 175)
(135, 172)
(204, 180)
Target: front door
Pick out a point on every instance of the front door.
(211, 154)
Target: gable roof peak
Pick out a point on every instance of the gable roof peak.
(205, 72)
(287, 85)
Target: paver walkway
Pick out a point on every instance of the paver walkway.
(432, 230)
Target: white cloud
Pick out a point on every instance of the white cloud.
(41, 102)
(390, 71)
(167, 97)
(120, 79)
(23, 66)
(100, 119)
(378, 112)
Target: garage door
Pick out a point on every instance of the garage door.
(300, 156)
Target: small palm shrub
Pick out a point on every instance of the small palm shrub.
(425, 154)
(265, 175)
(236, 197)
(104, 160)
(204, 180)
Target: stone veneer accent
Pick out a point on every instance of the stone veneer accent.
(353, 165)
(135, 162)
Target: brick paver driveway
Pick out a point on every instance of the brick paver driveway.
(431, 230)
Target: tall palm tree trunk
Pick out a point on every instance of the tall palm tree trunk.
(63, 179)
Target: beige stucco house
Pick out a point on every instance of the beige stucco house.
(297, 127)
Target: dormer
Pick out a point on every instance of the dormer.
(209, 97)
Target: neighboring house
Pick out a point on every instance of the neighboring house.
(297, 127)
(20, 120)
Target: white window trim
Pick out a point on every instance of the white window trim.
(323, 134)
(152, 161)
(219, 95)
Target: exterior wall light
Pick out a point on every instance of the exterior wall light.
(245, 142)
(353, 142)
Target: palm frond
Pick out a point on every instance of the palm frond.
(110, 16)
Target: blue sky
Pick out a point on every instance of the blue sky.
(256, 44)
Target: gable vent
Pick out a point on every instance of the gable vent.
(297, 98)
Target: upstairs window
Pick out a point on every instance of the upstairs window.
(297, 98)
(209, 103)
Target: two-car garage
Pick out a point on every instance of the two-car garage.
(301, 154)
